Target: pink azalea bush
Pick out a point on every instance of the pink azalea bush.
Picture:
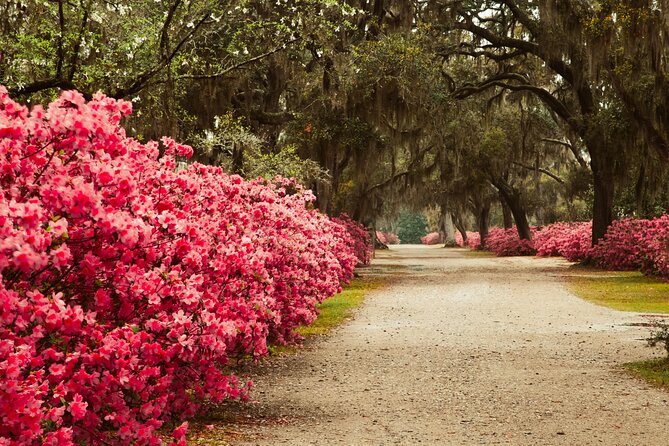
(632, 244)
(505, 242)
(473, 240)
(433, 238)
(128, 286)
(359, 237)
(387, 238)
(571, 240)
(629, 244)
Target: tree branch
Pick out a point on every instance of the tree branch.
(500, 80)
(522, 17)
(240, 64)
(540, 169)
(45, 84)
(574, 150)
(143, 79)
(77, 45)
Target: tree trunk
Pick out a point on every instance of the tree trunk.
(514, 201)
(602, 209)
(237, 159)
(449, 231)
(483, 222)
(603, 188)
(457, 221)
(506, 213)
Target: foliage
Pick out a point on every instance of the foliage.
(128, 285)
(387, 238)
(473, 240)
(659, 335)
(433, 238)
(633, 244)
(505, 242)
(359, 238)
(411, 227)
(571, 240)
(233, 146)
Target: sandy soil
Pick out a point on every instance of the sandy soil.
(462, 350)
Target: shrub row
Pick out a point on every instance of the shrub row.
(629, 244)
(129, 285)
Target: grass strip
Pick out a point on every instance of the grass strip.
(621, 290)
(653, 371)
(335, 310)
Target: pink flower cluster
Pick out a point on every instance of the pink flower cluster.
(387, 238)
(635, 244)
(473, 240)
(433, 238)
(505, 242)
(359, 237)
(128, 285)
(571, 240)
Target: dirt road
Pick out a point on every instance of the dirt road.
(462, 350)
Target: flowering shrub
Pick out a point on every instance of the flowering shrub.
(631, 244)
(571, 240)
(505, 242)
(473, 240)
(387, 238)
(359, 237)
(128, 286)
(433, 238)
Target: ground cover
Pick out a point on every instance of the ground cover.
(654, 371)
(621, 290)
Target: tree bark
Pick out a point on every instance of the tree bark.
(449, 232)
(514, 201)
(506, 213)
(457, 221)
(604, 191)
(483, 222)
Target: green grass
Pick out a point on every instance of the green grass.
(335, 310)
(477, 253)
(626, 291)
(654, 371)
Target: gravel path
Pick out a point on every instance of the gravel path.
(462, 350)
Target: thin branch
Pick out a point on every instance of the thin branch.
(77, 45)
(240, 64)
(574, 150)
(143, 79)
(60, 51)
(164, 34)
(540, 169)
(500, 80)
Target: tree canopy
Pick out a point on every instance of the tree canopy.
(503, 112)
